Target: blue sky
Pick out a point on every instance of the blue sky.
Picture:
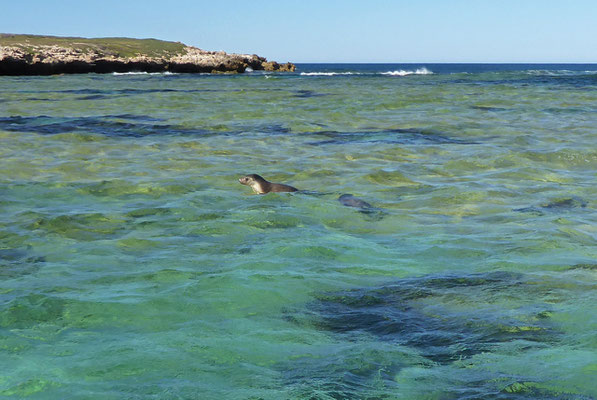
(334, 31)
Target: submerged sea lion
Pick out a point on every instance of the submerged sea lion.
(363, 207)
(261, 186)
(350, 201)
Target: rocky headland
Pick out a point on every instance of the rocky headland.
(49, 55)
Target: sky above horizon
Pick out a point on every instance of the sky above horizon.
(332, 30)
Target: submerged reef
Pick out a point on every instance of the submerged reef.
(432, 321)
(49, 55)
(462, 320)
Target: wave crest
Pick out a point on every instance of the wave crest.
(329, 73)
(419, 71)
(143, 73)
(560, 72)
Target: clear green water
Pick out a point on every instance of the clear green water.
(134, 265)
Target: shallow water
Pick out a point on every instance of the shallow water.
(134, 265)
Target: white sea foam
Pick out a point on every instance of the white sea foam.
(419, 71)
(143, 73)
(131, 73)
(560, 72)
(328, 73)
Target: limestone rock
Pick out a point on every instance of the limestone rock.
(78, 55)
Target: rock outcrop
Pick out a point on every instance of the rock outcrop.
(42, 57)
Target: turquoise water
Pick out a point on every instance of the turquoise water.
(134, 265)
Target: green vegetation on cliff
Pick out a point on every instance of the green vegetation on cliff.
(118, 47)
(47, 55)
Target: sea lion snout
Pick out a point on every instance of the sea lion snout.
(246, 180)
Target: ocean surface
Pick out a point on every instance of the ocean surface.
(133, 265)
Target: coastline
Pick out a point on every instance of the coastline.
(50, 55)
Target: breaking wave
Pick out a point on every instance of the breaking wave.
(329, 73)
(143, 73)
(419, 71)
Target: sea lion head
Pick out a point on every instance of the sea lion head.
(250, 179)
(256, 182)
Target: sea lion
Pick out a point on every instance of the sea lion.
(363, 207)
(350, 201)
(261, 186)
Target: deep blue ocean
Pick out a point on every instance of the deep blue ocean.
(134, 265)
(453, 68)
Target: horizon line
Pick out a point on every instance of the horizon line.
(452, 62)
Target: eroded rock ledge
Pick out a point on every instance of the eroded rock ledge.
(45, 55)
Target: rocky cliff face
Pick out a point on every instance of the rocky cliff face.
(29, 58)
